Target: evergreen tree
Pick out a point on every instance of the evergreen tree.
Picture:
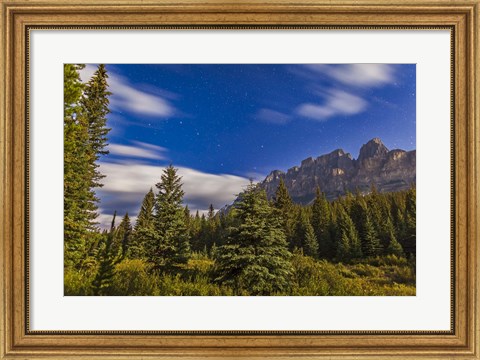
(321, 222)
(75, 185)
(362, 218)
(84, 141)
(305, 236)
(145, 216)
(283, 202)
(196, 229)
(388, 233)
(394, 247)
(211, 212)
(203, 234)
(348, 243)
(170, 246)
(255, 258)
(211, 228)
(213, 251)
(102, 284)
(410, 221)
(124, 234)
(144, 228)
(95, 110)
(369, 239)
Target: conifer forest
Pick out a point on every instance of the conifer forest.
(362, 243)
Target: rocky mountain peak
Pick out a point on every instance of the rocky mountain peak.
(337, 171)
(275, 175)
(372, 149)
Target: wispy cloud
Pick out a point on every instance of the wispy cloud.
(364, 75)
(337, 102)
(128, 97)
(138, 150)
(272, 116)
(128, 182)
(340, 89)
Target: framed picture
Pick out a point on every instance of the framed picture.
(239, 179)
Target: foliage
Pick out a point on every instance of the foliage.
(348, 244)
(305, 238)
(78, 282)
(169, 245)
(144, 228)
(322, 225)
(283, 202)
(358, 244)
(132, 279)
(85, 131)
(102, 284)
(255, 257)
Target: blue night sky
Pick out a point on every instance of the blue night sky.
(223, 124)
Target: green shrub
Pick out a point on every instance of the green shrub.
(132, 279)
(403, 275)
(317, 278)
(366, 270)
(322, 278)
(78, 283)
(174, 285)
(199, 266)
(387, 260)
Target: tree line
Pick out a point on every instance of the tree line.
(254, 248)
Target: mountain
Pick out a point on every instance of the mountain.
(336, 172)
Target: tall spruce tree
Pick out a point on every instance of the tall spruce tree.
(170, 247)
(102, 284)
(76, 162)
(211, 230)
(95, 110)
(394, 247)
(370, 242)
(305, 235)
(124, 234)
(144, 230)
(255, 258)
(145, 216)
(410, 221)
(85, 139)
(283, 202)
(348, 244)
(321, 223)
(362, 218)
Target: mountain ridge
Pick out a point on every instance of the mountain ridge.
(338, 172)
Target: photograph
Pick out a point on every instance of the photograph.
(239, 179)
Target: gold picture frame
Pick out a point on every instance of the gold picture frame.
(18, 17)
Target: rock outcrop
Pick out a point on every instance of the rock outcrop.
(337, 172)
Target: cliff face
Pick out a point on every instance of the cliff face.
(336, 172)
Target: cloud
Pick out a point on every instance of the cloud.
(139, 150)
(127, 183)
(272, 116)
(341, 87)
(127, 97)
(362, 75)
(337, 102)
(255, 176)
